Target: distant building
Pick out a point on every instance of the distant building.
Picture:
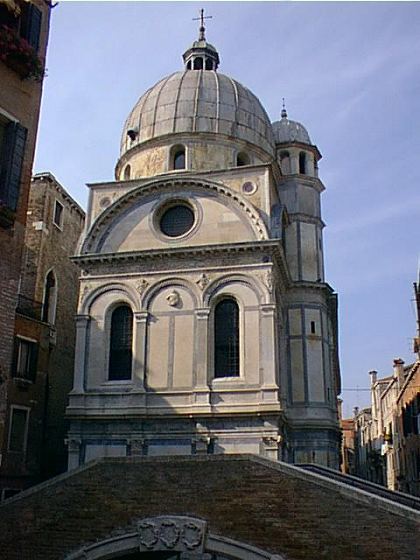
(44, 339)
(23, 42)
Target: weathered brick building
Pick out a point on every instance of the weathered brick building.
(44, 340)
(23, 42)
(203, 508)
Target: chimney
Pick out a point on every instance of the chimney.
(373, 376)
(399, 371)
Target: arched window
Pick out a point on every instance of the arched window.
(226, 339)
(177, 157)
(285, 162)
(198, 63)
(302, 163)
(50, 298)
(209, 64)
(242, 159)
(121, 346)
(127, 172)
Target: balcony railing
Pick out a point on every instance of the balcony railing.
(29, 307)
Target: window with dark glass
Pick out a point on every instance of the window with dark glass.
(242, 159)
(226, 339)
(25, 359)
(121, 347)
(177, 220)
(302, 163)
(18, 429)
(179, 159)
(58, 214)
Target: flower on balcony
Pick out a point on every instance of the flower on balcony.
(17, 54)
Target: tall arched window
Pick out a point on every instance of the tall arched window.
(302, 163)
(226, 339)
(121, 346)
(50, 298)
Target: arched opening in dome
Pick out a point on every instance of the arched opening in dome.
(209, 64)
(198, 63)
(177, 157)
(242, 159)
(285, 163)
(127, 172)
(189, 65)
(302, 163)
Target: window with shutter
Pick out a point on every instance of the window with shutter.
(11, 161)
(30, 24)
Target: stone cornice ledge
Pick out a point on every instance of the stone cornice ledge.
(272, 245)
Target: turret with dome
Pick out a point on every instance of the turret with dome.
(204, 323)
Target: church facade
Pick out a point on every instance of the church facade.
(205, 325)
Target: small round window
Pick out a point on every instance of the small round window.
(176, 220)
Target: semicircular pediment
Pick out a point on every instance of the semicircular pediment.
(175, 213)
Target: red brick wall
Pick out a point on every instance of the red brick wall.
(261, 503)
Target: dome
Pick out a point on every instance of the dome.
(286, 130)
(198, 101)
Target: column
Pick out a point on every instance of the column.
(82, 325)
(73, 448)
(202, 357)
(139, 357)
(269, 352)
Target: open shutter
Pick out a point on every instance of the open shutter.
(15, 356)
(33, 363)
(30, 27)
(11, 164)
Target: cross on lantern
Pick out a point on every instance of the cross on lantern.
(202, 29)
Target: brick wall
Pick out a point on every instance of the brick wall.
(272, 506)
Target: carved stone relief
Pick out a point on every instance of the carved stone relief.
(172, 533)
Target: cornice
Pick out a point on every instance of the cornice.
(158, 254)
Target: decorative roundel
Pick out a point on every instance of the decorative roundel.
(104, 202)
(249, 187)
(176, 220)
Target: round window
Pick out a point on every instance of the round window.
(176, 220)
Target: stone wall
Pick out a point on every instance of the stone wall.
(272, 506)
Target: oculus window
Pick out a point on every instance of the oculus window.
(176, 220)
(226, 339)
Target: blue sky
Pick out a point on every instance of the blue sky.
(349, 73)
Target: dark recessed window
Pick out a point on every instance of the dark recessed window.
(18, 430)
(226, 339)
(177, 220)
(179, 159)
(242, 159)
(58, 214)
(198, 63)
(25, 359)
(302, 163)
(121, 347)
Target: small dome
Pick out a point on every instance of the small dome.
(198, 101)
(286, 130)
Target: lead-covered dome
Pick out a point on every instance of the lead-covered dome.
(286, 130)
(198, 101)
